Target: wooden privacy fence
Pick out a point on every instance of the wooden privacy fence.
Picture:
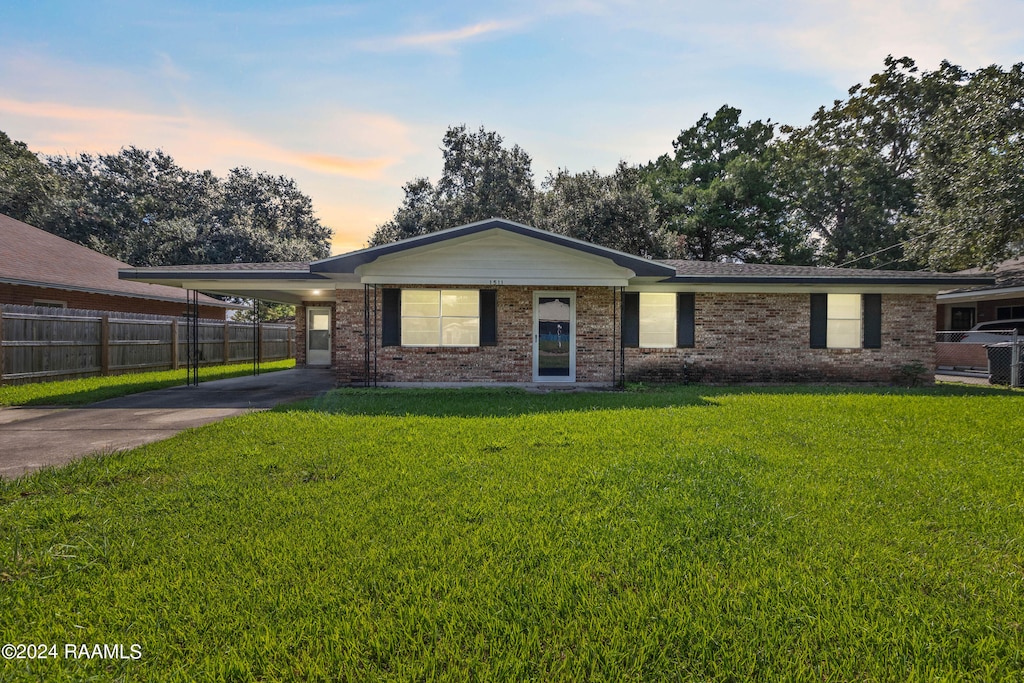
(50, 343)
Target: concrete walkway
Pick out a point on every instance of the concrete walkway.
(31, 438)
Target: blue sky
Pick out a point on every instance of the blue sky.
(352, 99)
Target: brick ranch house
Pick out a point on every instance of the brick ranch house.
(38, 268)
(497, 301)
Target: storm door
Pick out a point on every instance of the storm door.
(554, 337)
(318, 336)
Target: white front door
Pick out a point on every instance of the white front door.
(554, 336)
(318, 336)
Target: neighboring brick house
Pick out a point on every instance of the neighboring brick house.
(962, 309)
(37, 268)
(497, 301)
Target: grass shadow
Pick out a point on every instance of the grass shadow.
(491, 402)
(511, 401)
(85, 391)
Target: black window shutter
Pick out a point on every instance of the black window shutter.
(488, 317)
(872, 321)
(684, 319)
(391, 317)
(819, 321)
(631, 319)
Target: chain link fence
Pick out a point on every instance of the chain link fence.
(995, 353)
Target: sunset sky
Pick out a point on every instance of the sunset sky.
(352, 99)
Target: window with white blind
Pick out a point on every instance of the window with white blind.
(440, 317)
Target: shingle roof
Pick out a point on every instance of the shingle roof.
(30, 256)
(1009, 273)
(711, 272)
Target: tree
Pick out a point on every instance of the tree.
(848, 177)
(269, 312)
(417, 215)
(267, 218)
(481, 179)
(615, 211)
(141, 207)
(716, 192)
(971, 174)
(28, 188)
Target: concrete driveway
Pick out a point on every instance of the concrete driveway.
(31, 438)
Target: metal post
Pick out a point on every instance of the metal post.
(615, 369)
(192, 338)
(366, 335)
(1, 344)
(375, 327)
(622, 346)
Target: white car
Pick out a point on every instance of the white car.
(994, 331)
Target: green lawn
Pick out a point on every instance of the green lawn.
(667, 534)
(74, 392)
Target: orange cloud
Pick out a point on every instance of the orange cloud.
(66, 112)
(343, 166)
(104, 124)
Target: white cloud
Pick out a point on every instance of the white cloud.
(440, 41)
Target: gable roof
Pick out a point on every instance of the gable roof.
(347, 263)
(33, 257)
(298, 281)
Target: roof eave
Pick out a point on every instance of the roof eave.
(146, 275)
(113, 292)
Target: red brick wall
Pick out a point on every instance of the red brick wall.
(300, 335)
(739, 338)
(24, 295)
(766, 338)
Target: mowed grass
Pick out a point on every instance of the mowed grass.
(73, 392)
(671, 534)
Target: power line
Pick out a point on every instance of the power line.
(898, 244)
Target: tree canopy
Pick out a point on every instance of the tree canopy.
(141, 207)
(28, 188)
(970, 174)
(717, 193)
(481, 179)
(615, 211)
